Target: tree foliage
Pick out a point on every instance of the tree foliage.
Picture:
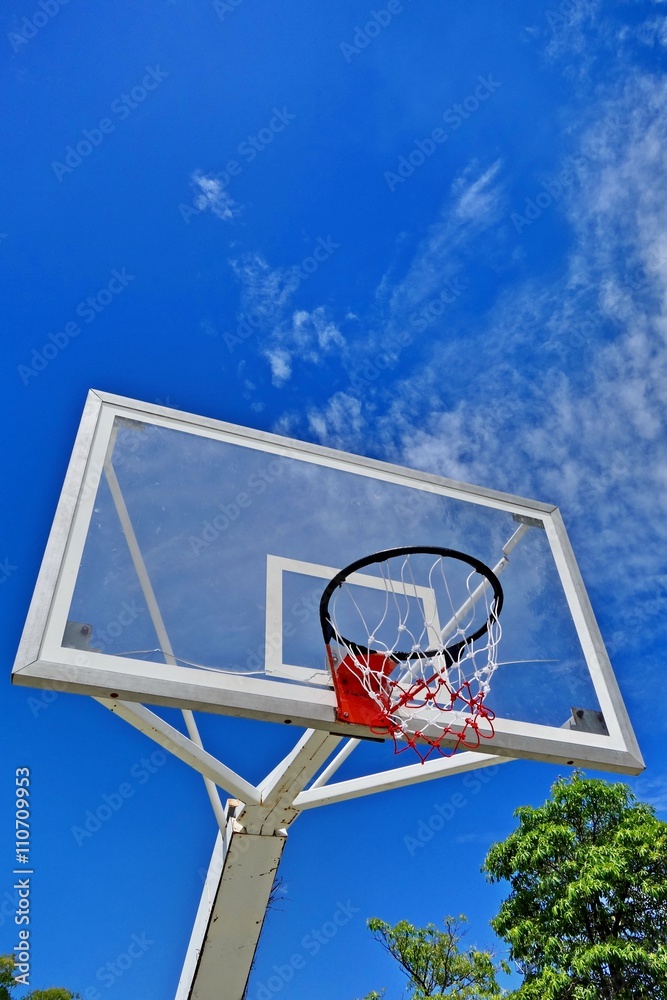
(587, 915)
(6, 976)
(435, 966)
(54, 993)
(8, 984)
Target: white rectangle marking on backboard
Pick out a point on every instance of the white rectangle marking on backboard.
(276, 566)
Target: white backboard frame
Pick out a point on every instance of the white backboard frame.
(43, 662)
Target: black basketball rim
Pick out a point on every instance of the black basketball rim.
(451, 653)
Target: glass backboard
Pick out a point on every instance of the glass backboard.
(188, 557)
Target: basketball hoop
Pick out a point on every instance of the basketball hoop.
(404, 673)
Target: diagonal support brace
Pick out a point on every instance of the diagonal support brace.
(167, 736)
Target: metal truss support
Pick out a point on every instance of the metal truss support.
(170, 739)
(253, 832)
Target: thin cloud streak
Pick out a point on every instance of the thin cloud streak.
(576, 420)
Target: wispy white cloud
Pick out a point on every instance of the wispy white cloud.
(567, 25)
(652, 32)
(584, 425)
(561, 389)
(478, 200)
(265, 290)
(281, 365)
(653, 790)
(473, 205)
(306, 337)
(211, 195)
(340, 421)
(288, 337)
(285, 336)
(380, 349)
(475, 837)
(578, 34)
(312, 333)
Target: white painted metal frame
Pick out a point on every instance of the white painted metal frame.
(42, 661)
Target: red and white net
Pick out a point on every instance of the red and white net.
(412, 640)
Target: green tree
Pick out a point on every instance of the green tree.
(8, 985)
(587, 915)
(55, 993)
(435, 966)
(6, 976)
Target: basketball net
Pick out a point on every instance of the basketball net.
(427, 635)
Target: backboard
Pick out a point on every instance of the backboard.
(188, 556)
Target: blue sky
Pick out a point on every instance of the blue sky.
(436, 235)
